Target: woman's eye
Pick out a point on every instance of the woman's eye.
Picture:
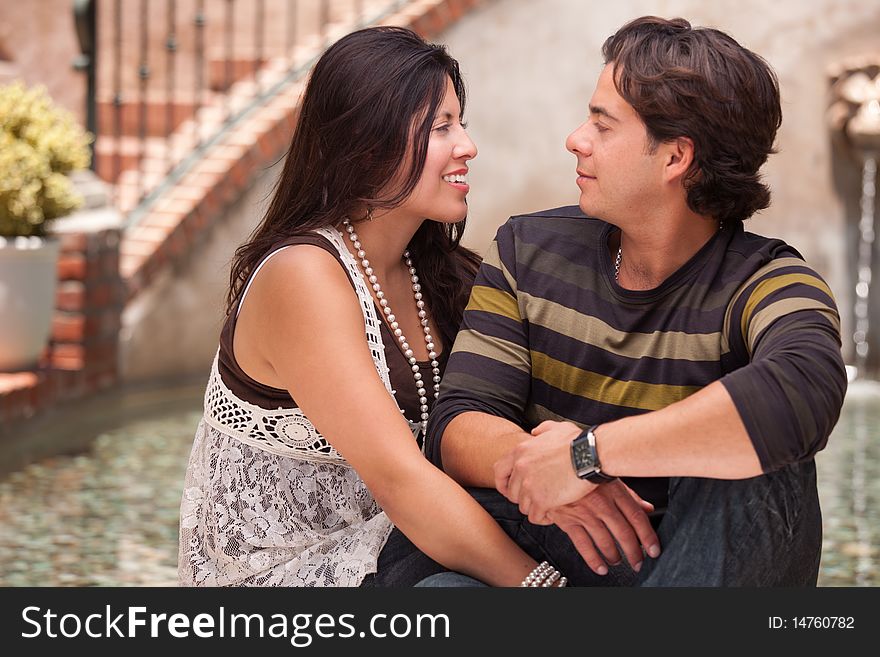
(442, 128)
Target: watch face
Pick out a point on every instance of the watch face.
(582, 455)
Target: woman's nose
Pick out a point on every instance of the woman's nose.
(466, 148)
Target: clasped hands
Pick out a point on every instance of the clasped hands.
(538, 476)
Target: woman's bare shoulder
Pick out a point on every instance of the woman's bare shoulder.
(301, 301)
(302, 265)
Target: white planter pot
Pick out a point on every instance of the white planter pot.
(28, 272)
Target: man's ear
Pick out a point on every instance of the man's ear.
(679, 157)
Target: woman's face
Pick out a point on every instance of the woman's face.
(440, 194)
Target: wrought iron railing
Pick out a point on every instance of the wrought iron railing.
(167, 79)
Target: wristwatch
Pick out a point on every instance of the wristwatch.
(585, 458)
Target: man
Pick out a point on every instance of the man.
(645, 352)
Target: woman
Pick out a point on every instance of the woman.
(366, 218)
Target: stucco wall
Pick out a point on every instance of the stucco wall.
(531, 67)
(172, 328)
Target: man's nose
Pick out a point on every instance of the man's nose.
(578, 141)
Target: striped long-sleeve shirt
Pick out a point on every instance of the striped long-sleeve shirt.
(549, 335)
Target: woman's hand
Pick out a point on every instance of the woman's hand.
(538, 475)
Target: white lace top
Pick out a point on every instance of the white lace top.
(267, 501)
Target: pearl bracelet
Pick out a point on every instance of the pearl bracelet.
(545, 576)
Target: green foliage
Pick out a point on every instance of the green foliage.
(40, 144)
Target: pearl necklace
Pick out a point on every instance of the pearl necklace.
(395, 327)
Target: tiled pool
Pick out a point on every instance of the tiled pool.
(109, 517)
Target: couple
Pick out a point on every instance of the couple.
(635, 394)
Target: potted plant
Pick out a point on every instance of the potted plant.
(39, 145)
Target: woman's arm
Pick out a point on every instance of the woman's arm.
(305, 322)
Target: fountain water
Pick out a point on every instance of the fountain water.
(863, 563)
(855, 120)
(865, 258)
(848, 466)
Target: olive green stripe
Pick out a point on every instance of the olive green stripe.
(632, 394)
(590, 330)
(492, 300)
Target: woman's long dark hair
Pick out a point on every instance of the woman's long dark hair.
(371, 96)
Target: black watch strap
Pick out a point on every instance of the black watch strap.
(585, 458)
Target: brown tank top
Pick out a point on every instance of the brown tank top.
(268, 397)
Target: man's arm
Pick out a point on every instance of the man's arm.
(473, 442)
(778, 409)
(701, 436)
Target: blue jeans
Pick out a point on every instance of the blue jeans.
(401, 564)
(449, 579)
(763, 531)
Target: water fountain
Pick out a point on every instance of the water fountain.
(854, 117)
(855, 121)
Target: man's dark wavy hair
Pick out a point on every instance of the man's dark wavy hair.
(701, 84)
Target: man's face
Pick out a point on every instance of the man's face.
(618, 177)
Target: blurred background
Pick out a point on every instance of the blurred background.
(109, 326)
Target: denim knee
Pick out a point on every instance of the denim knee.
(762, 531)
(450, 579)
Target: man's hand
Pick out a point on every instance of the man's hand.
(612, 512)
(538, 475)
